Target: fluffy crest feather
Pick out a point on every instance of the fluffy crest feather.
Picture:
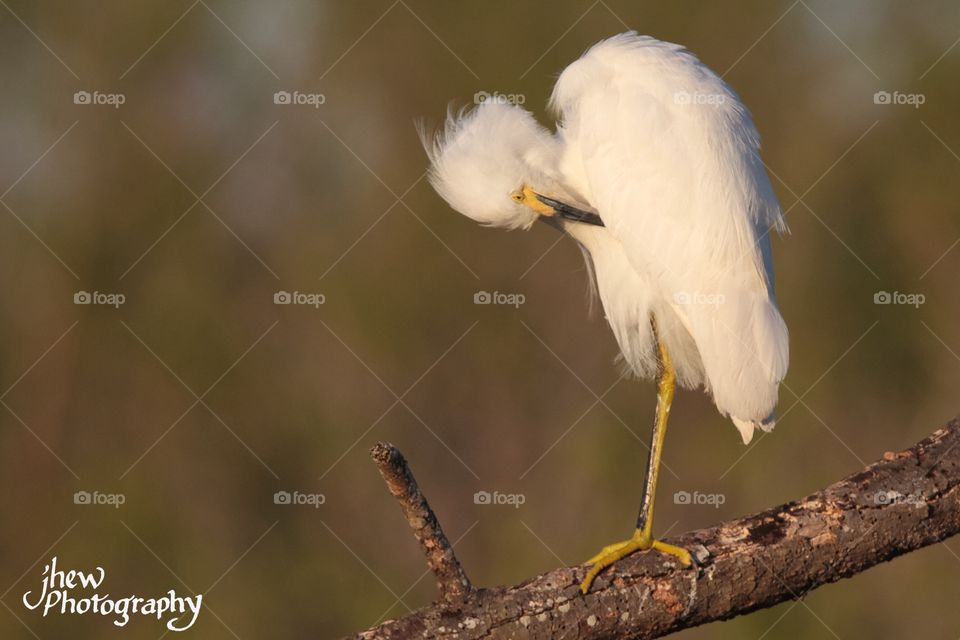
(484, 155)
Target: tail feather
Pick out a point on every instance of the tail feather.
(747, 427)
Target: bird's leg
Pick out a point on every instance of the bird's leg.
(643, 537)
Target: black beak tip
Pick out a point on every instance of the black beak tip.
(568, 212)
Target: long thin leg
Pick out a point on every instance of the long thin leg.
(643, 536)
(666, 384)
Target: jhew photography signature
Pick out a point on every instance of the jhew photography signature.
(57, 595)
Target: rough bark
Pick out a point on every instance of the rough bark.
(900, 503)
(452, 582)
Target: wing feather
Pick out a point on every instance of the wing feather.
(669, 156)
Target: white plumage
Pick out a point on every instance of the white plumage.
(665, 152)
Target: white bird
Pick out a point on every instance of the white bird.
(655, 171)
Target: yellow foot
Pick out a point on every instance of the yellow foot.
(639, 542)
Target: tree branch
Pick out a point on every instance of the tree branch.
(900, 503)
(452, 582)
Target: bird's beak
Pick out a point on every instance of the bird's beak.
(569, 212)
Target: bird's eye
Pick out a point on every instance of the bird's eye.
(517, 196)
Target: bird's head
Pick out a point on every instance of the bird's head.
(497, 165)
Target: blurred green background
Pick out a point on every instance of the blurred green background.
(199, 198)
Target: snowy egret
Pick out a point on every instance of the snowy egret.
(655, 172)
